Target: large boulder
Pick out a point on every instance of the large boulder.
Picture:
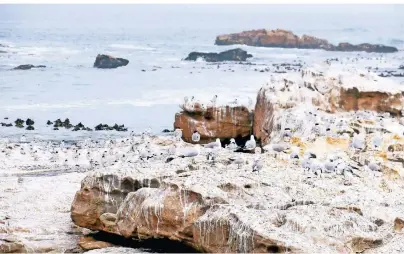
(327, 90)
(223, 122)
(28, 67)
(228, 55)
(280, 38)
(109, 62)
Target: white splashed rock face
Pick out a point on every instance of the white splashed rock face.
(227, 208)
(327, 89)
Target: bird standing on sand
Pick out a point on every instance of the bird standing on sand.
(257, 164)
(178, 134)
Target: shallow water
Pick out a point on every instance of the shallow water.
(67, 39)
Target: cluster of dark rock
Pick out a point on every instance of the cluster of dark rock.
(57, 124)
(106, 127)
(19, 123)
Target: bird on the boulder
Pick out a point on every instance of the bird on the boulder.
(196, 137)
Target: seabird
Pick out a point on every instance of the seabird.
(216, 144)
(196, 137)
(250, 144)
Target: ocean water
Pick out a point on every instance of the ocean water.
(67, 38)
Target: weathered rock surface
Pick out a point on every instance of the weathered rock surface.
(89, 243)
(109, 62)
(228, 55)
(286, 39)
(327, 90)
(224, 209)
(28, 67)
(214, 122)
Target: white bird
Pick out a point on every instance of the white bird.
(216, 144)
(188, 151)
(276, 147)
(233, 145)
(23, 139)
(178, 134)
(238, 160)
(376, 142)
(358, 141)
(250, 144)
(214, 99)
(235, 102)
(257, 164)
(196, 137)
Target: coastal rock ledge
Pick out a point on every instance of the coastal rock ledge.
(280, 38)
(222, 122)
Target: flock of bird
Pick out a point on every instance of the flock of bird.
(190, 104)
(140, 149)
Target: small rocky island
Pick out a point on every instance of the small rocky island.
(228, 55)
(109, 62)
(280, 38)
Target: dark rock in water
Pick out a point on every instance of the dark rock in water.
(55, 128)
(3, 52)
(28, 67)
(109, 62)
(66, 122)
(30, 128)
(49, 123)
(29, 122)
(88, 129)
(365, 47)
(100, 127)
(401, 67)
(80, 125)
(58, 123)
(228, 55)
(6, 124)
(166, 131)
(6, 118)
(76, 128)
(144, 70)
(19, 123)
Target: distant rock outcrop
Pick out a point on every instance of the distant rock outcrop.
(286, 39)
(28, 67)
(109, 62)
(228, 55)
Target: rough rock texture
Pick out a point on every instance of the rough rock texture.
(228, 55)
(214, 122)
(109, 62)
(28, 67)
(89, 243)
(286, 39)
(220, 208)
(328, 90)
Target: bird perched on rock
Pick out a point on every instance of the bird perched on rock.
(196, 137)
(358, 141)
(250, 144)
